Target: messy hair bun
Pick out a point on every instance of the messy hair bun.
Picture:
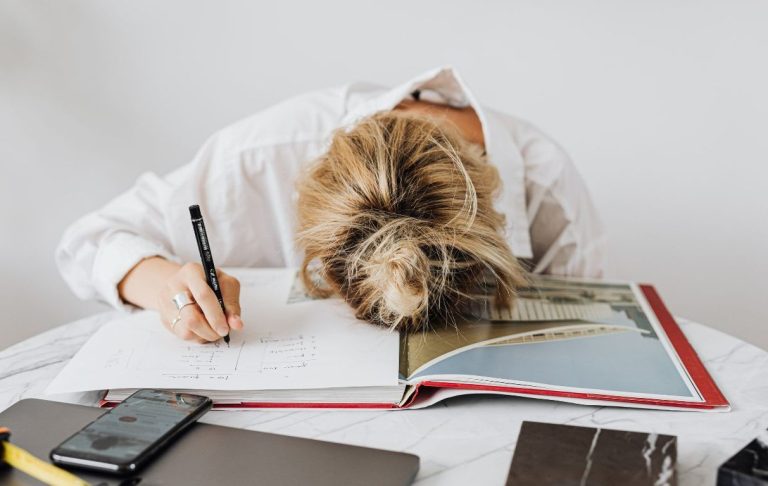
(397, 217)
(399, 277)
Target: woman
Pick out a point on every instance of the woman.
(404, 201)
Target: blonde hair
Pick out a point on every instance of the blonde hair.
(397, 216)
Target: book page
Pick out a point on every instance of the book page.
(308, 344)
(615, 346)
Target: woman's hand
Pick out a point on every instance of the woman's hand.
(203, 321)
(154, 282)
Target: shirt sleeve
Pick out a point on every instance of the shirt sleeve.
(566, 232)
(99, 249)
(244, 169)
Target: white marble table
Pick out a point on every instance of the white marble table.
(466, 440)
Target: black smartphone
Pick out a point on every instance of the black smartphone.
(125, 438)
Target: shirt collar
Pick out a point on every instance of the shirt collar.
(500, 147)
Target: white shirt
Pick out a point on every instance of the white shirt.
(243, 180)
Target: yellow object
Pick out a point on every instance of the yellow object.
(37, 468)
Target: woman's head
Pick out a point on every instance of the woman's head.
(397, 217)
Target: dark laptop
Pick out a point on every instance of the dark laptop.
(210, 454)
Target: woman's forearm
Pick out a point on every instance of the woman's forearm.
(144, 282)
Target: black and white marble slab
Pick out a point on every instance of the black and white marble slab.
(466, 440)
(556, 454)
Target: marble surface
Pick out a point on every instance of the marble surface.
(465, 440)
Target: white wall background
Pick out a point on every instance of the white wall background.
(662, 104)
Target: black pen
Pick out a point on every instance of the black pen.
(207, 258)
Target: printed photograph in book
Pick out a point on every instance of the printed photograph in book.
(565, 334)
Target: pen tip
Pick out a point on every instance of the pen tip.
(226, 339)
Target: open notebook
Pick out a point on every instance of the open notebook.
(579, 341)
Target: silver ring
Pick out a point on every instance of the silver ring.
(181, 300)
(178, 316)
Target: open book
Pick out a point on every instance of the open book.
(579, 341)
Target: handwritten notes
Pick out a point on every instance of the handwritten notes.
(312, 344)
(268, 354)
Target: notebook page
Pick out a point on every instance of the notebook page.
(285, 345)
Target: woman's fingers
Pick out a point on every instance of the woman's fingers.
(230, 293)
(181, 327)
(209, 304)
(204, 321)
(196, 322)
(234, 321)
(191, 325)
